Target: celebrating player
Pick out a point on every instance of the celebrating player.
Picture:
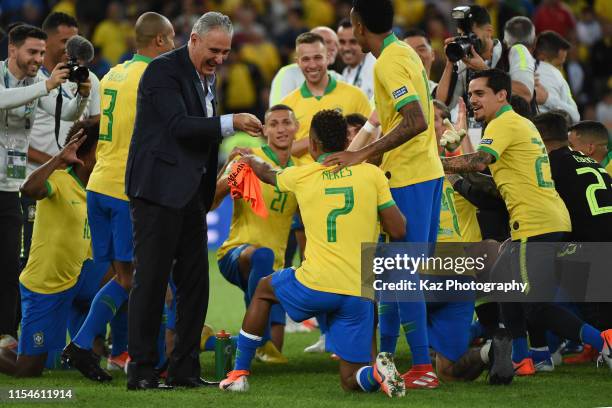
(340, 211)
(256, 246)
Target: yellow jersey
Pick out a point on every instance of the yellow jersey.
(522, 173)
(607, 163)
(400, 78)
(338, 96)
(61, 240)
(448, 230)
(468, 222)
(271, 232)
(339, 211)
(118, 92)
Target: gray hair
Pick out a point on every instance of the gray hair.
(212, 20)
(519, 30)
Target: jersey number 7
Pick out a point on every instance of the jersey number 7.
(349, 201)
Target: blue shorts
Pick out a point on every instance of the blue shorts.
(111, 228)
(91, 274)
(347, 321)
(230, 269)
(420, 204)
(448, 327)
(171, 310)
(44, 317)
(296, 223)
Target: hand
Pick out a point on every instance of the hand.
(85, 88)
(68, 155)
(344, 159)
(451, 138)
(475, 61)
(239, 151)
(374, 120)
(58, 76)
(248, 123)
(247, 159)
(461, 115)
(541, 92)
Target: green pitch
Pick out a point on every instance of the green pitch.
(312, 380)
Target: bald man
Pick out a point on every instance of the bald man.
(290, 77)
(107, 204)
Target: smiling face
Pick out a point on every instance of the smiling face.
(350, 50)
(280, 128)
(484, 101)
(312, 60)
(29, 56)
(209, 50)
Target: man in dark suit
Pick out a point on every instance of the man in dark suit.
(170, 180)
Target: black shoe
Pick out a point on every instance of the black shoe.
(147, 385)
(500, 358)
(192, 382)
(86, 362)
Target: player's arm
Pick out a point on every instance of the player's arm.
(262, 170)
(413, 123)
(393, 222)
(223, 188)
(35, 186)
(36, 156)
(468, 163)
(367, 134)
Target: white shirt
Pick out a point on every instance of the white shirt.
(559, 93)
(362, 75)
(42, 137)
(227, 121)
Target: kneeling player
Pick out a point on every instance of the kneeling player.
(58, 265)
(339, 211)
(256, 246)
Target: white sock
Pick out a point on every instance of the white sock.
(484, 352)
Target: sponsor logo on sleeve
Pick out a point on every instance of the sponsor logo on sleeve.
(486, 141)
(400, 92)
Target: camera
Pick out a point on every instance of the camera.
(78, 73)
(461, 46)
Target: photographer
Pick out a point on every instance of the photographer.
(21, 90)
(60, 28)
(475, 50)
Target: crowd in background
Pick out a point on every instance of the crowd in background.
(265, 33)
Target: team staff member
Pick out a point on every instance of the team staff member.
(171, 177)
(59, 28)
(410, 162)
(515, 153)
(107, 204)
(21, 90)
(340, 211)
(60, 260)
(319, 91)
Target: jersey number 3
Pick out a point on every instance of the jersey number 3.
(349, 201)
(108, 112)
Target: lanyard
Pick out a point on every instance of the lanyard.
(358, 73)
(61, 87)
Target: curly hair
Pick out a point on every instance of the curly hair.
(91, 129)
(330, 129)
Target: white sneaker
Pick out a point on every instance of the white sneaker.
(385, 373)
(292, 326)
(318, 347)
(236, 381)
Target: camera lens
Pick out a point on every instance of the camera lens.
(454, 51)
(79, 74)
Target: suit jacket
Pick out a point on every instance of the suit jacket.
(174, 147)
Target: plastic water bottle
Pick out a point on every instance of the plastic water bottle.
(224, 352)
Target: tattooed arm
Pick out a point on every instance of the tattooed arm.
(467, 163)
(413, 123)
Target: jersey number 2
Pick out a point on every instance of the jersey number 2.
(349, 201)
(108, 112)
(592, 189)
